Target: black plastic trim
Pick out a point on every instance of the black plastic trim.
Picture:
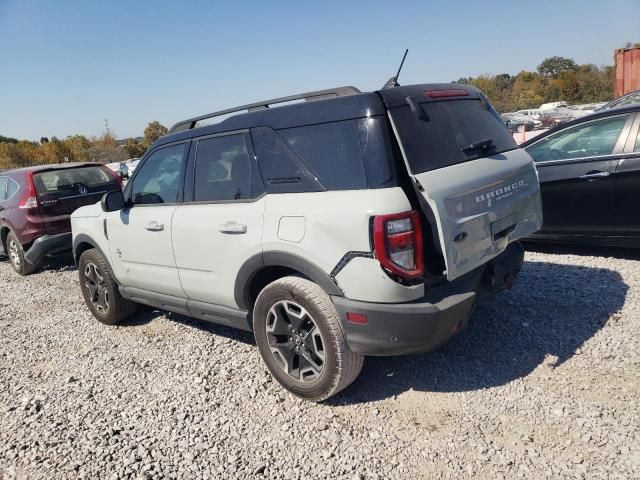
(254, 264)
(84, 238)
(46, 244)
(346, 258)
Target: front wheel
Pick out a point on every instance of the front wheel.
(100, 290)
(300, 338)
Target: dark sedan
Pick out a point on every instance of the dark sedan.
(589, 173)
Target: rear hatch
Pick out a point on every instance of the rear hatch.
(61, 191)
(481, 188)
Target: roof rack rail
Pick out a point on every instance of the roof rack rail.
(309, 96)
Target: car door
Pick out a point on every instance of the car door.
(221, 226)
(140, 234)
(627, 185)
(576, 167)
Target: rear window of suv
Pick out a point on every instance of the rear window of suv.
(73, 181)
(447, 130)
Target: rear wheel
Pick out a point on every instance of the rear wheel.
(16, 256)
(300, 339)
(100, 291)
(520, 128)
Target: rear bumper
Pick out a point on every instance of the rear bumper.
(46, 245)
(427, 323)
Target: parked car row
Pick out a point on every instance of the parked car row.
(346, 225)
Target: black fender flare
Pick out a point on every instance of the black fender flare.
(295, 262)
(84, 238)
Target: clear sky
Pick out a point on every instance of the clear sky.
(67, 65)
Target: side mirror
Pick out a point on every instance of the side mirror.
(112, 201)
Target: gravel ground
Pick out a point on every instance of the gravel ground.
(544, 383)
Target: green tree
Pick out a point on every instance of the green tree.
(528, 90)
(153, 132)
(44, 140)
(552, 67)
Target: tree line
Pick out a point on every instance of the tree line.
(555, 79)
(105, 148)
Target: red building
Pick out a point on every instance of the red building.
(627, 62)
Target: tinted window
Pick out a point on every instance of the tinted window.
(73, 181)
(281, 169)
(376, 151)
(160, 176)
(637, 149)
(590, 139)
(331, 151)
(223, 169)
(446, 129)
(3, 188)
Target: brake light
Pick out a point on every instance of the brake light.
(29, 198)
(452, 92)
(397, 243)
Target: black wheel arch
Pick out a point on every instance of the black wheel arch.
(84, 242)
(266, 267)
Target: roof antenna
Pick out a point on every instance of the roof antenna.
(393, 81)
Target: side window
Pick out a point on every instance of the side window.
(281, 169)
(637, 149)
(591, 139)
(331, 151)
(12, 188)
(3, 188)
(160, 176)
(224, 170)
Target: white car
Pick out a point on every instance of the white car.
(346, 225)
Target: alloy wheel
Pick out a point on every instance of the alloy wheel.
(14, 254)
(96, 288)
(295, 341)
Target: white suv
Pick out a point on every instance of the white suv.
(343, 225)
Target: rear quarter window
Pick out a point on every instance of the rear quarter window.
(345, 155)
(448, 127)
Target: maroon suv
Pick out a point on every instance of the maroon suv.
(36, 203)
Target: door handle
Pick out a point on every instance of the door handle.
(154, 226)
(233, 228)
(594, 174)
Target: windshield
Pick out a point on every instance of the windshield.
(446, 132)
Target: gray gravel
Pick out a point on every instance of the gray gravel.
(544, 383)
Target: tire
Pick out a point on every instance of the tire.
(16, 256)
(100, 290)
(284, 318)
(520, 128)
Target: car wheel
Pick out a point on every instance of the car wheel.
(100, 291)
(520, 128)
(300, 338)
(16, 256)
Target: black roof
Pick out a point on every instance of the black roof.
(332, 105)
(610, 112)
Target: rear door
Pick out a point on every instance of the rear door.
(482, 190)
(577, 168)
(627, 186)
(62, 191)
(220, 225)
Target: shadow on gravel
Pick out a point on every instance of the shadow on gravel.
(553, 310)
(148, 314)
(584, 250)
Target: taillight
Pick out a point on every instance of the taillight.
(114, 174)
(29, 198)
(451, 92)
(397, 243)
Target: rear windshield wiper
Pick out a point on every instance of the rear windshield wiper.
(479, 145)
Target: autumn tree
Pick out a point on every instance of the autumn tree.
(134, 147)
(153, 131)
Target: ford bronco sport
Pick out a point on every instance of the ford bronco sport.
(342, 225)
